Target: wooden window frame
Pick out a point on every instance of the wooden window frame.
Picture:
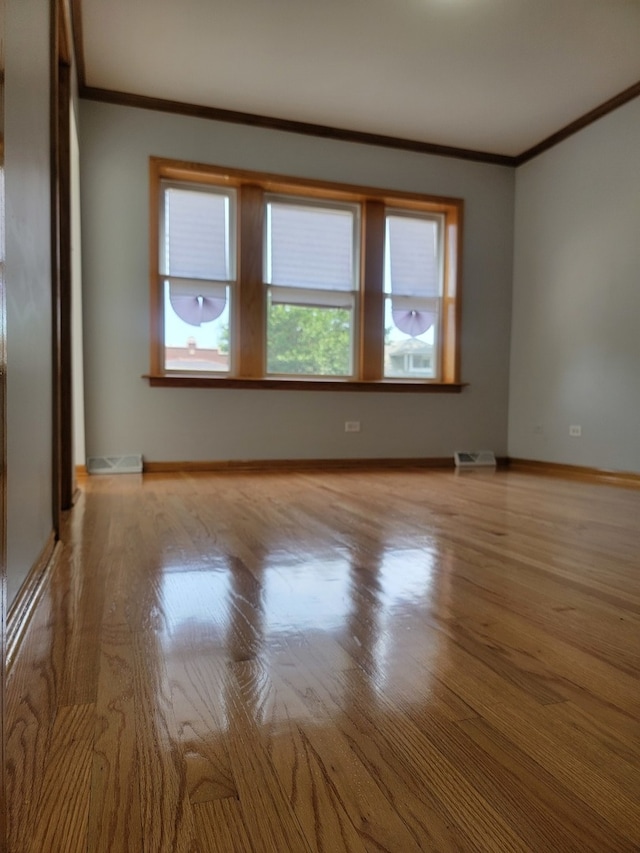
(248, 315)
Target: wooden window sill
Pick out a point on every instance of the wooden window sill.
(190, 380)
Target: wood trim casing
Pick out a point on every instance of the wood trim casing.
(573, 127)
(248, 359)
(156, 332)
(248, 317)
(3, 458)
(126, 99)
(65, 285)
(630, 479)
(452, 297)
(596, 475)
(78, 42)
(65, 37)
(27, 597)
(184, 170)
(56, 299)
(191, 380)
(144, 102)
(292, 465)
(372, 295)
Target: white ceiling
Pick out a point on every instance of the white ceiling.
(496, 76)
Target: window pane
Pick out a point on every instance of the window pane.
(189, 347)
(197, 234)
(413, 282)
(412, 265)
(310, 246)
(408, 356)
(309, 341)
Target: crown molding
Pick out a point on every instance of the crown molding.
(568, 130)
(326, 131)
(306, 128)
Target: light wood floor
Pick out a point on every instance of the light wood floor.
(399, 662)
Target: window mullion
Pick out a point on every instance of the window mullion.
(248, 355)
(372, 313)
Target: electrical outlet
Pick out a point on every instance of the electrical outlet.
(352, 426)
(575, 431)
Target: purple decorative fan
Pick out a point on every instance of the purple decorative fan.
(196, 310)
(413, 322)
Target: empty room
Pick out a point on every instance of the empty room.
(320, 393)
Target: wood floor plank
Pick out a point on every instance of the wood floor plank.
(63, 807)
(563, 613)
(333, 661)
(573, 672)
(314, 793)
(80, 601)
(220, 827)
(201, 731)
(564, 817)
(532, 731)
(439, 805)
(269, 820)
(331, 759)
(115, 815)
(30, 715)
(26, 748)
(167, 817)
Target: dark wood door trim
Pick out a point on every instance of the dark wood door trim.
(65, 289)
(3, 459)
(56, 432)
(62, 414)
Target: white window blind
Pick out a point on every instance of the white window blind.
(413, 272)
(309, 248)
(412, 244)
(196, 251)
(196, 234)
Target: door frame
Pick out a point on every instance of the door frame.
(3, 457)
(63, 480)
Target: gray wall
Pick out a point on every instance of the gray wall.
(123, 414)
(28, 277)
(575, 353)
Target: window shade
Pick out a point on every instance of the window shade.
(412, 246)
(413, 272)
(196, 301)
(309, 247)
(310, 298)
(196, 234)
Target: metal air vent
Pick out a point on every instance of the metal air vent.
(129, 464)
(474, 458)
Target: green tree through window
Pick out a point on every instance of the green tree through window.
(311, 341)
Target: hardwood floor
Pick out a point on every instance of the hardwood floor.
(399, 661)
